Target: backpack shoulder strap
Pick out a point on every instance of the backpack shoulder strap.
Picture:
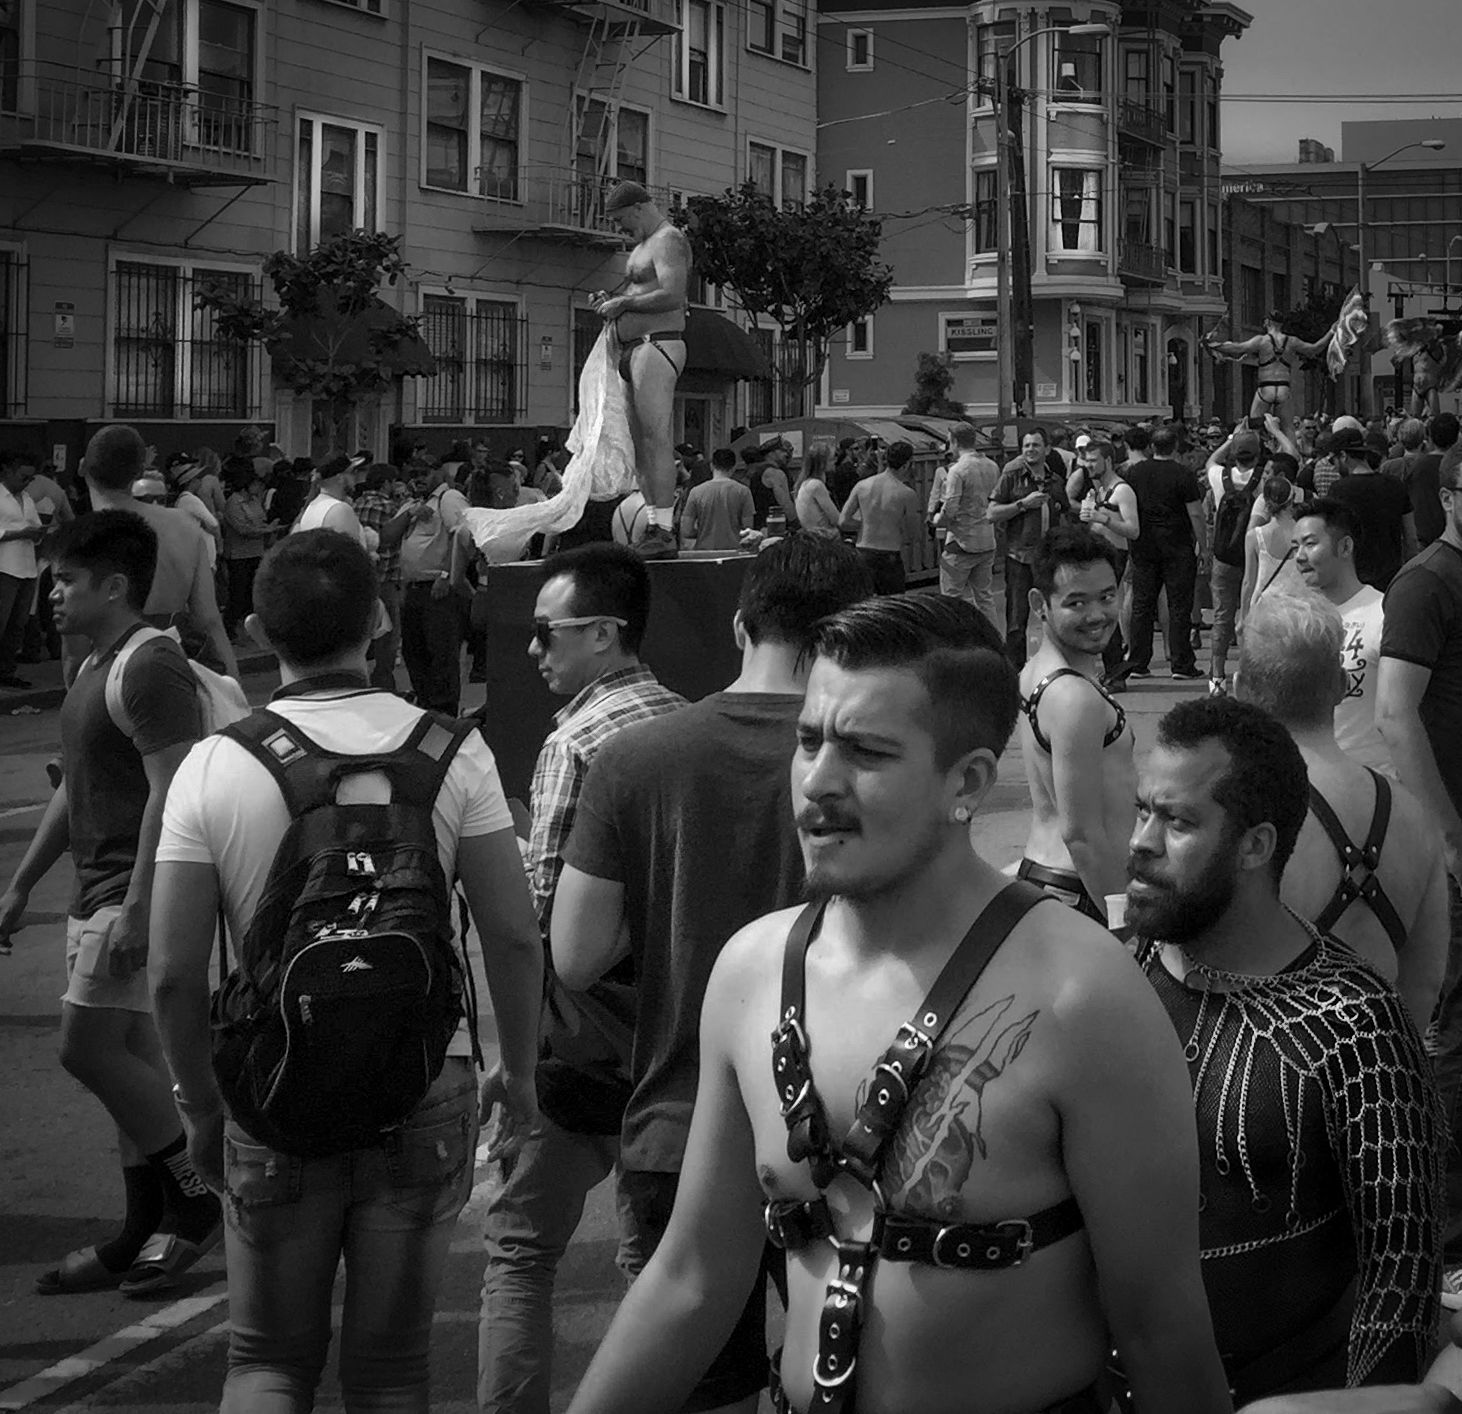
(418, 768)
(302, 769)
(117, 673)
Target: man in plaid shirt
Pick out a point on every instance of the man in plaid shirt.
(380, 509)
(589, 621)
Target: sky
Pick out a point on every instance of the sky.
(1384, 47)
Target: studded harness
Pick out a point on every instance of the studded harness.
(793, 1223)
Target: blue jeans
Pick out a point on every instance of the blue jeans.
(529, 1223)
(390, 1213)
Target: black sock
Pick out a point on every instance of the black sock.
(146, 1199)
(191, 1209)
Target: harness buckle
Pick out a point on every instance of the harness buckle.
(790, 1106)
(1025, 1241)
(943, 1254)
(776, 1229)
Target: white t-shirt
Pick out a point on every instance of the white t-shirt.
(1360, 656)
(224, 809)
(18, 557)
(327, 512)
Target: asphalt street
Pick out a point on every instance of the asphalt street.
(60, 1190)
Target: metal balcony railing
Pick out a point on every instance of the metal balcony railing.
(562, 202)
(1138, 120)
(652, 17)
(147, 124)
(1139, 261)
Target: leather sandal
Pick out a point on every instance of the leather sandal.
(164, 1258)
(79, 1271)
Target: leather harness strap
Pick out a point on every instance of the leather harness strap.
(794, 1223)
(1358, 879)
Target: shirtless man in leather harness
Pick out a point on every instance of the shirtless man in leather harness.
(1276, 354)
(1074, 737)
(648, 322)
(1018, 1191)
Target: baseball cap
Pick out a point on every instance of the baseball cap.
(1245, 445)
(1348, 438)
(1083, 439)
(624, 195)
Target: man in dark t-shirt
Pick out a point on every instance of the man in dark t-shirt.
(118, 760)
(1419, 713)
(1423, 477)
(1164, 557)
(1382, 506)
(684, 834)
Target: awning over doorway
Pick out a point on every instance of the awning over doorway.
(716, 347)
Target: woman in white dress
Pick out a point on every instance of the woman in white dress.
(1269, 549)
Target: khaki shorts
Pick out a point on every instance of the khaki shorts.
(89, 981)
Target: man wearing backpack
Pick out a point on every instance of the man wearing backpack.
(330, 829)
(108, 812)
(1232, 486)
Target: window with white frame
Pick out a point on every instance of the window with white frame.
(479, 344)
(778, 28)
(985, 211)
(990, 42)
(1136, 75)
(337, 179)
(1076, 211)
(366, 7)
(14, 310)
(199, 79)
(700, 53)
(860, 337)
(614, 141)
(779, 173)
(860, 188)
(168, 359)
(474, 127)
(860, 50)
(1078, 68)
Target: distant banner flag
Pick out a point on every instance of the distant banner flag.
(1352, 326)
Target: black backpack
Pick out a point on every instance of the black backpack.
(1231, 521)
(348, 986)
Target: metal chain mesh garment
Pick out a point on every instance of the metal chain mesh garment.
(1321, 1151)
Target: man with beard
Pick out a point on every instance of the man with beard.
(1075, 739)
(1319, 1129)
(1016, 1193)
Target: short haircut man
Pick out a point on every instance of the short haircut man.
(723, 459)
(900, 454)
(965, 436)
(589, 621)
(115, 457)
(225, 821)
(1292, 667)
(1287, 1036)
(128, 719)
(934, 692)
(685, 834)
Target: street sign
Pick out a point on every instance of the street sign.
(974, 333)
(1046, 392)
(64, 334)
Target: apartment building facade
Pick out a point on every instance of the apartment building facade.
(150, 146)
(1119, 135)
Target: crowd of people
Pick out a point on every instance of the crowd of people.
(1148, 1121)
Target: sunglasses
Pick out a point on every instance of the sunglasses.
(543, 629)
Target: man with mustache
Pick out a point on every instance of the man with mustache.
(1074, 737)
(1319, 1129)
(1016, 1193)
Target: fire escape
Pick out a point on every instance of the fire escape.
(121, 107)
(566, 203)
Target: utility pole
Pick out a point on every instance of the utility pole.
(1004, 330)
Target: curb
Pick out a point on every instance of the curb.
(47, 698)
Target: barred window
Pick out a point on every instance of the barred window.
(12, 333)
(168, 359)
(481, 369)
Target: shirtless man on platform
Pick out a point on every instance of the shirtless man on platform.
(885, 512)
(648, 321)
(1277, 355)
(1033, 1202)
(1074, 737)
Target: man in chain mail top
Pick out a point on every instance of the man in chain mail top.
(1319, 1129)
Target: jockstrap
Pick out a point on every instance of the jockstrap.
(1358, 878)
(898, 1238)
